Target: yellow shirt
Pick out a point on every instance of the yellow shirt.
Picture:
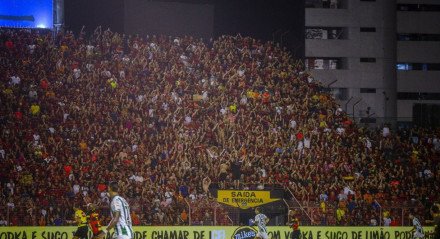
(64, 48)
(81, 215)
(197, 97)
(249, 94)
(83, 145)
(113, 84)
(323, 207)
(7, 91)
(252, 95)
(50, 94)
(415, 154)
(340, 214)
(35, 109)
(233, 108)
(283, 74)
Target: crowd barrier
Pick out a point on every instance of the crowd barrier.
(218, 232)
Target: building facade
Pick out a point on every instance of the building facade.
(376, 56)
(418, 61)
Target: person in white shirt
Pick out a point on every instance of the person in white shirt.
(33, 94)
(260, 220)
(76, 73)
(89, 50)
(307, 142)
(340, 130)
(2, 153)
(342, 196)
(436, 143)
(243, 100)
(15, 80)
(348, 191)
(417, 227)
(104, 198)
(300, 146)
(3, 222)
(385, 131)
(368, 144)
(168, 196)
(120, 212)
(386, 221)
(292, 123)
(122, 74)
(31, 48)
(85, 190)
(323, 197)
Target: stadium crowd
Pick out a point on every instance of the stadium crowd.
(174, 118)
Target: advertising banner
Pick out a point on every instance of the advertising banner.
(221, 232)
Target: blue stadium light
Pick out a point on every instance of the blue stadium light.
(26, 14)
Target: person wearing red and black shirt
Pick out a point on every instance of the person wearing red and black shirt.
(94, 221)
(295, 226)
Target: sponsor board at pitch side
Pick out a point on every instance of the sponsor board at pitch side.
(222, 232)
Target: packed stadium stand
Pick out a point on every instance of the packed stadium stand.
(173, 119)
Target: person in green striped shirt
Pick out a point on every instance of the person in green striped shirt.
(120, 212)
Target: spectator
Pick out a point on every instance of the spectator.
(340, 216)
(167, 114)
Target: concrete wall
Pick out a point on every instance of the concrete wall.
(404, 108)
(418, 81)
(379, 45)
(418, 22)
(417, 52)
(417, 1)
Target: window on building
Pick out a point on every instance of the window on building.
(417, 37)
(367, 59)
(418, 7)
(418, 66)
(368, 90)
(340, 93)
(368, 0)
(418, 96)
(368, 120)
(403, 67)
(326, 33)
(326, 63)
(335, 4)
(368, 29)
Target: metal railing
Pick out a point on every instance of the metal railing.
(295, 205)
(189, 211)
(399, 214)
(208, 212)
(380, 212)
